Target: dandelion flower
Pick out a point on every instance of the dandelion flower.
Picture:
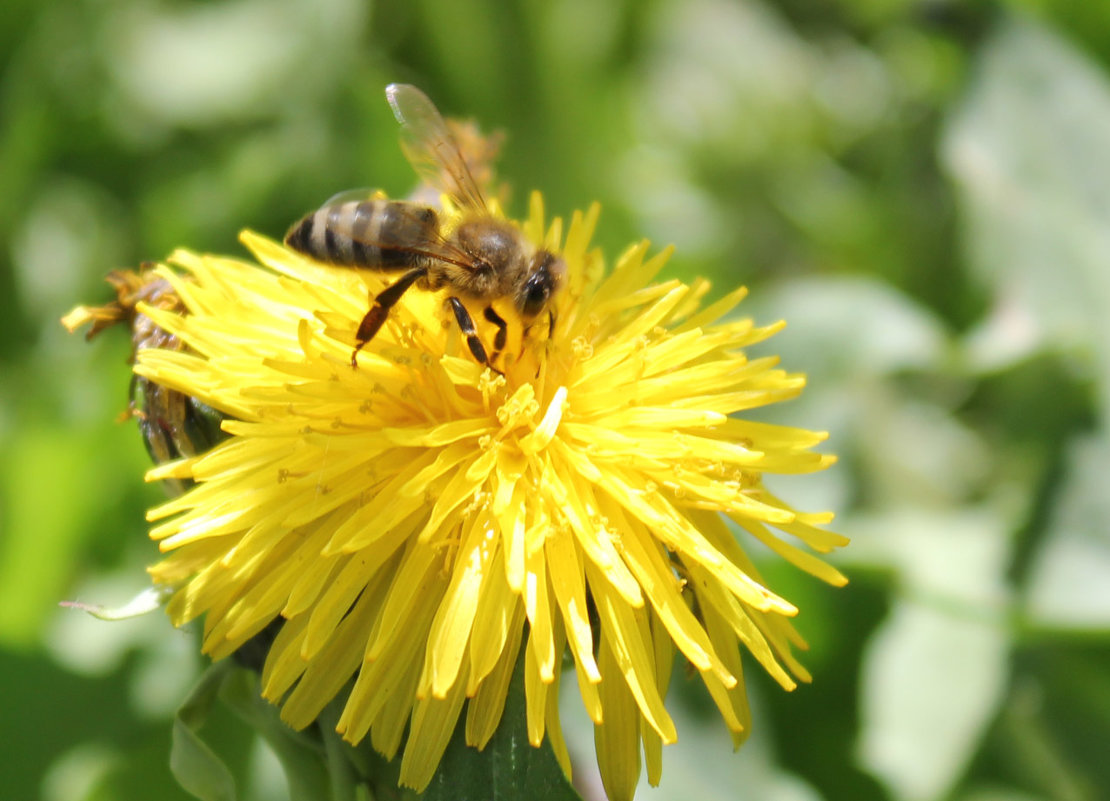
(406, 518)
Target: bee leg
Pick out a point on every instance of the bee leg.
(502, 334)
(466, 325)
(379, 312)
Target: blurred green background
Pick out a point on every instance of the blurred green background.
(921, 189)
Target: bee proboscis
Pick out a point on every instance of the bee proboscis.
(482, 258)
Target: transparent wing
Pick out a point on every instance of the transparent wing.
(407, 227)
(430, 148)
(480, 152)
(348, 195)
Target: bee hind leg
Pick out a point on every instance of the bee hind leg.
(466, 325)
(379, 312)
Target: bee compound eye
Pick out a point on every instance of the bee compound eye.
(536, 293)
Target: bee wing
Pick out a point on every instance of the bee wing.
(347, 195)
(430, 148)
(403, 226)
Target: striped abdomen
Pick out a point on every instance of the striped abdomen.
(378, 234)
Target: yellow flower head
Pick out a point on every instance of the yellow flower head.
(404, 519)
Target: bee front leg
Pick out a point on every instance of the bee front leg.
(466, 325)
(379, 312)
(502, 334)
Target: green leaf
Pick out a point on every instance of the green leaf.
(311, 771)
(508, 768)
(195, 765)
(320, 767)
(301, 756)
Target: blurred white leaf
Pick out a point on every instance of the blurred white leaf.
(848, 334)
(205, 64)
(917, 453)
(849, 326)
(957, 558)
(731, 76)
(165, 659)
(734, 85)
(931, 685)
(701, 765)
(739, 79)
(1069, 584)
(66, 232)
(87, 646)
(78, 773)
(936, 669)
(1028, 152)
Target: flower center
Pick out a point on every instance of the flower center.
(518, 418)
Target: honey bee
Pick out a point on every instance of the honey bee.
(480, 259)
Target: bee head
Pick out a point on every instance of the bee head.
(545, 275)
